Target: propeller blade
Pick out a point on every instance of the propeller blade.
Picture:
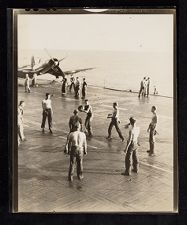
(61, 59)
(48, 53)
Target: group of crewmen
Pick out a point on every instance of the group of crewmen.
(76, 145)
(75, 85)
(144, 88)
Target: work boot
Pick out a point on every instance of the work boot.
(125, 173)
(80, 177)
(70, 178)
(50, 130)
(135, 170)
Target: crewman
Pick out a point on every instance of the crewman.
(21, 136)
(27, 84)
(84, 88)
(72, 85)
(77, 88)
(34, 80)
(89, 117)
(114, 122)
(73, 121)
(152, 132)
(148, 84)
(132, 148)
(64, 85)
(142, 86)
(76, 147)
(47, 112)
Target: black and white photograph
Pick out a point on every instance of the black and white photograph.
(95, 111)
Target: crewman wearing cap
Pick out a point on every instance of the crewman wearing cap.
(114, 122)
(76, 147)
(74, 120)
(132, 148)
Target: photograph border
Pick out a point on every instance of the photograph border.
(13, 14)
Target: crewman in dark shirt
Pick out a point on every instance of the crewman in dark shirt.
(74, 120)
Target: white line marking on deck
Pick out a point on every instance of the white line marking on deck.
(156, 167)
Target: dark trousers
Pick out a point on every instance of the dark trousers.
(152, 140)
(141, 91)
(131, 158)
(88, 125)
(77, 91)
(76, 156)
(47, 114)
(147, 91)
(83, 92)
(115, 123)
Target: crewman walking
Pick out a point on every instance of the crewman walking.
(74, 120)
(114, 122)
(152, 132)
(132, 148)
(76, 147)
(27, 84)
(89, 117)
(47, 112)
(21, 136)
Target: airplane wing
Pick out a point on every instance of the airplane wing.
(70, 72)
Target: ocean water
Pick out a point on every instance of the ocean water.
(118, 70)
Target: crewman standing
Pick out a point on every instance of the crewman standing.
(89, 117)
(27, 84)
(148, 84)
(77, 88)
(21, 136)
(72, 85)
(114, 122)
(74, 120)
(142, 86)
(64, 85)
(152, 132)
(132, 148)
(47, 112)
(84, 88)
(76, 147)
(34, 80)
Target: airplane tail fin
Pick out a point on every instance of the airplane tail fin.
(32, 62)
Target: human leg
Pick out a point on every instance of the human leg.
(71, 167)
(135, 161)
(79, 159)
(44, 116)
(118, 130)
(110, 129)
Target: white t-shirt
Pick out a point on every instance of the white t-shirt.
(46, 104)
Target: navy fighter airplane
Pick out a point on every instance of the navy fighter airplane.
(51, 66)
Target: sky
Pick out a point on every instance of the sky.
(125, 32)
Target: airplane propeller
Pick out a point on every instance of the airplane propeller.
(56, 61)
